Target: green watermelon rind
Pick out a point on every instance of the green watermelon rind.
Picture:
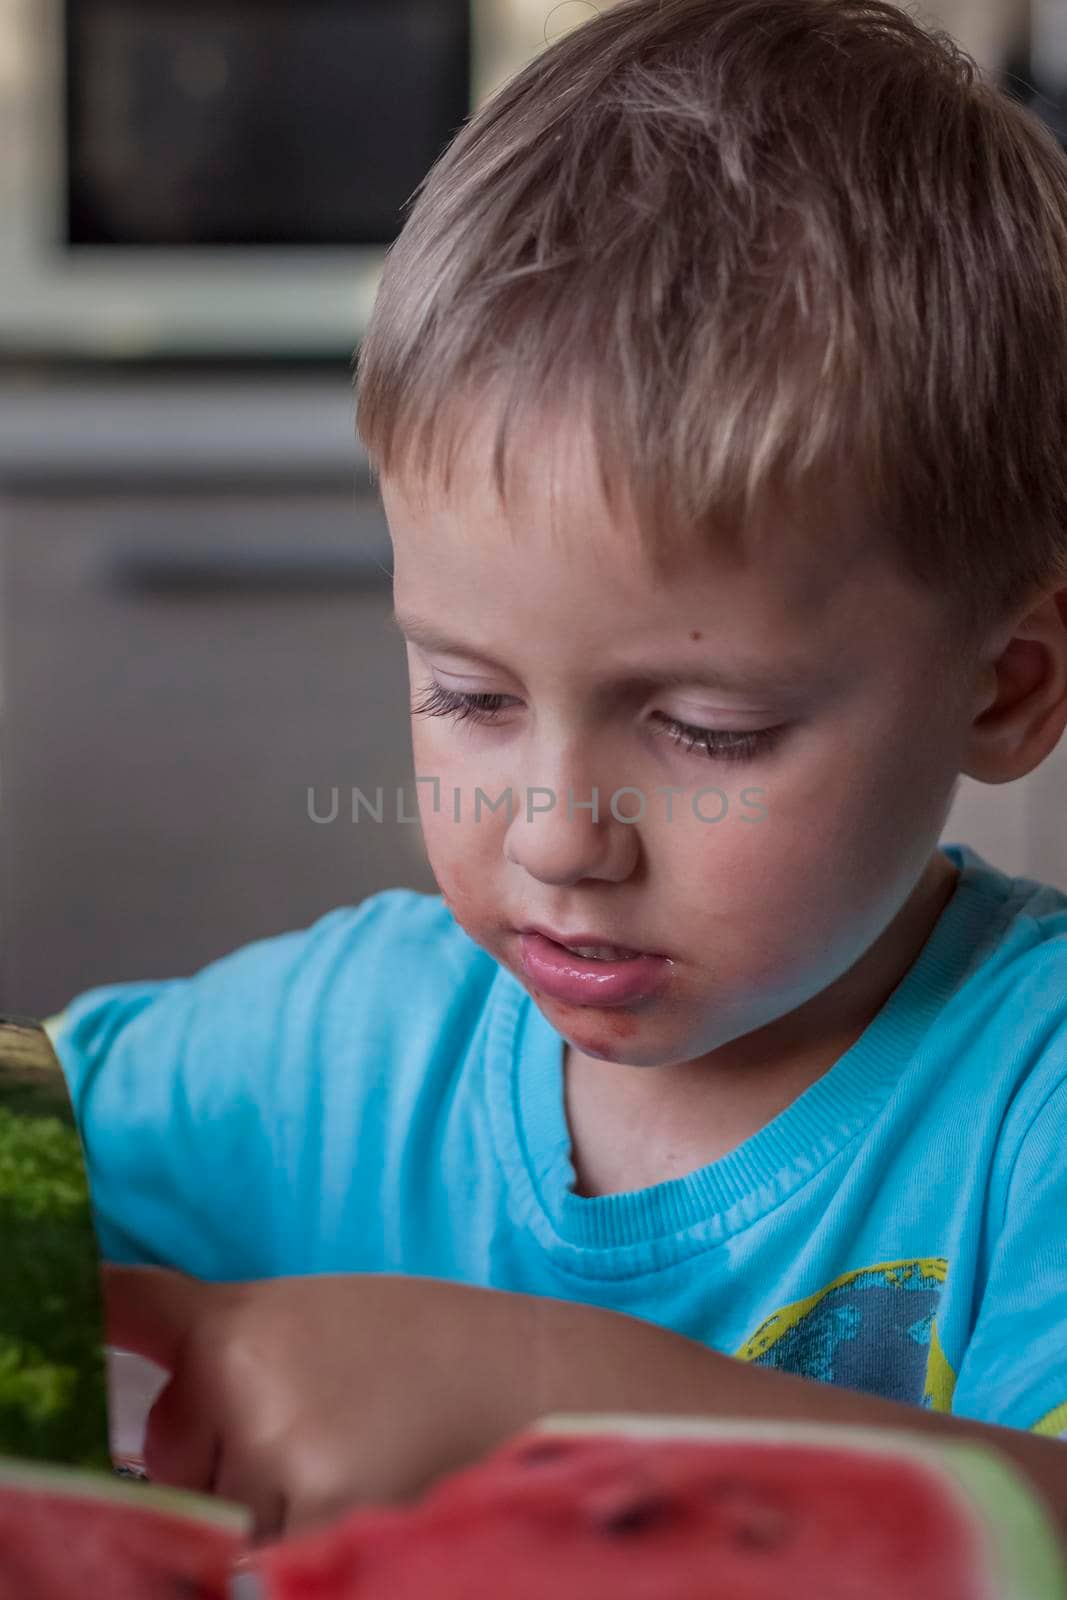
(35, 1477)
(1026, 1543)
(1025, 1552)
(53, 1376)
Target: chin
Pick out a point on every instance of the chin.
(612, 1038)
(597, 1055)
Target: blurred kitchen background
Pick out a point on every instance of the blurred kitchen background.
(195, 201)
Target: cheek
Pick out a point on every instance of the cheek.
(451, 775)
(422, 745)
(805, 890)
(757, 903)
(459, 855)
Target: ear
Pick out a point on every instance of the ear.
(1020, 693)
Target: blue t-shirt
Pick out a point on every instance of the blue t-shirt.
(376, 1094)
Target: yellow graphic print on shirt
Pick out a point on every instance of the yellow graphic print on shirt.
(873, 1330)
(1055, 1424)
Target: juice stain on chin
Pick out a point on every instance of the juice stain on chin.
(619, 1025)
(612, 1029)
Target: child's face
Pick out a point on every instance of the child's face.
(823, 833)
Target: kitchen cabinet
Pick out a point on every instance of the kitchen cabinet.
(186, 677)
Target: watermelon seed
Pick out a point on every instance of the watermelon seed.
(631, 1514)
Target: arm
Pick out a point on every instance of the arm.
(618, 1363)
(302, 1396)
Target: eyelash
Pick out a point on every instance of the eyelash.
(716, 745)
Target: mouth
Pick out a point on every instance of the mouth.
(587, 970)
(588, 946)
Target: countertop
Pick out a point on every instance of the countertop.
(60, 429)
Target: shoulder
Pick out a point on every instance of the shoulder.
(1012, 1026)
(399, 932)
(399, 959)
(1016, 929)
(385, 965)
(273, 1076)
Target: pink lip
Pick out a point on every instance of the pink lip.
(573, 939)
(563, 976)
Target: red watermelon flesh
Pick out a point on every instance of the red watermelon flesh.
(67, 1535)
(554, 1516)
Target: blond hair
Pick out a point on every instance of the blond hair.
(766, 247)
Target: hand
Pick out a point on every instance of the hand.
(302, 1396)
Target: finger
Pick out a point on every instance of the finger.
(259, 1488)
(181, 1445)
(150, 1310)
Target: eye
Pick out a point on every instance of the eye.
(719, 744)
(437, 701)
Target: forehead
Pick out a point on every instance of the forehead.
(553, 537)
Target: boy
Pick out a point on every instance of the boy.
(769, 300)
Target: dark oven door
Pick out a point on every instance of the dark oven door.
(257, 122)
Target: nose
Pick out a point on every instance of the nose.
(562, 835)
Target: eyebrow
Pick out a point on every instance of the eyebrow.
(783, 677)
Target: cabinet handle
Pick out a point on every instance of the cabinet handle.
(235, 572)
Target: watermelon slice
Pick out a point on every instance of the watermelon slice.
(641, 1508)
(68, 1535)
(53, 1373)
